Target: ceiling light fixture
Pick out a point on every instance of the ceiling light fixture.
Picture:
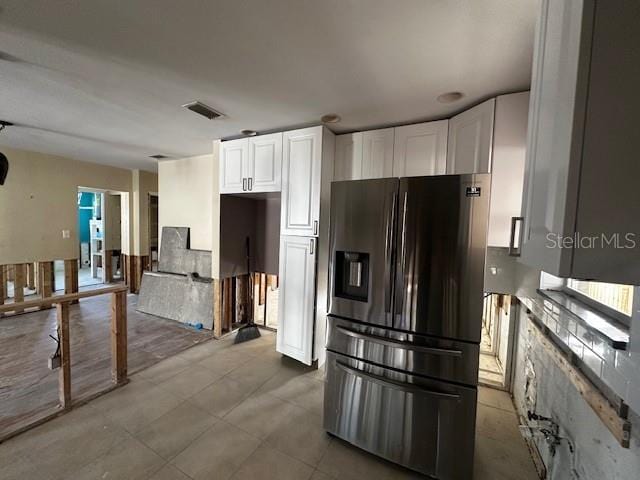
(248, 133)
(330, 118)
(158, 156)
(4, 162)
(450, 97)
(202, 109)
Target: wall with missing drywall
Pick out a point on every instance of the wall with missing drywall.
(40, 199)
(186, 196)
(539, 385)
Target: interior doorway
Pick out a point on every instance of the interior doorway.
(496, 345)
(99, 237)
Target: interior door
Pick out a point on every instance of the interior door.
(265, 163)
(348, 159)
(301, 176)
(442, 238)
(296, 302)
(361, 249)
(234, 156)
(420, 149)
(377, 153)
(470, 140)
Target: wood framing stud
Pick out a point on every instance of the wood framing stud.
(217, 308)
(45, 272)
(64, 375)
(119, 337)
(71, 276)
(619, 427)
(31, 276)
(19, 282)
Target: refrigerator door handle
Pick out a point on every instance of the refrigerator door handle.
(399, 286)
(389, 342)
(404, 387)
(388, 253)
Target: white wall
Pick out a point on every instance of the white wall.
(186, 193)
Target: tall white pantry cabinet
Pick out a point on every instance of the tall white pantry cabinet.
(307, 171)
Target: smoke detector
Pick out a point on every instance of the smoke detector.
(202, 109)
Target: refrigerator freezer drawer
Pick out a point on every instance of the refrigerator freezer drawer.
(434, 357)
(425, 425)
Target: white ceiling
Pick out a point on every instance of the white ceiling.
(104, 80)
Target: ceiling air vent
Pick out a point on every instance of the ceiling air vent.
(203, 110)
(158, 156)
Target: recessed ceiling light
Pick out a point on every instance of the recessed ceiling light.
(330, 118)
(450, 97)
(202, 109)
(248, 133)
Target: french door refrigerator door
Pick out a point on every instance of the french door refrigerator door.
(426, 425)
(363, 215)
(442, 238)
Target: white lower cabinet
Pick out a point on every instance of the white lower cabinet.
(296, 303)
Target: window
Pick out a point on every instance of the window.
(611, 295)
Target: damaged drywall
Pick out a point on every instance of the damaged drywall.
(587, 450)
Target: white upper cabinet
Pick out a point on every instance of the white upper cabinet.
(470, 140)
(508, 157)
(348, 158)
(580, 196)
(420, 149)
(234, 158)
(265, 163)
(377, 153)
(251, 164)
(296, 301)
(301, 182)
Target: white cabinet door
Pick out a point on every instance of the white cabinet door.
(420, 149)
(301, 177)
(265, 163)
(348, 159)
(234, 157)
(296, 305)
(551, 174)
(470, 140)
(507, 165)
(377, 153)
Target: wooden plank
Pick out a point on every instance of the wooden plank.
(71, 277)
(39, 302)
(3, 284)
(227, 305)
(31, 276)
(619, 427)
(242, 298)
(19, 282)
(119, 337)
(45, 270)
(108, 266)
(64, 375)
(263, 289)
(217, 308)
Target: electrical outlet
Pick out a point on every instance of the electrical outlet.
(54, 362)
(66, 234)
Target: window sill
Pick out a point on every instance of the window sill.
(585, 322)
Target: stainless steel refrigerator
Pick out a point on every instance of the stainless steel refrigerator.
(405, 311)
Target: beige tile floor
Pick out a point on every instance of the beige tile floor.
(219, 411)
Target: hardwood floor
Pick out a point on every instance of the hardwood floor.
(29, 390)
